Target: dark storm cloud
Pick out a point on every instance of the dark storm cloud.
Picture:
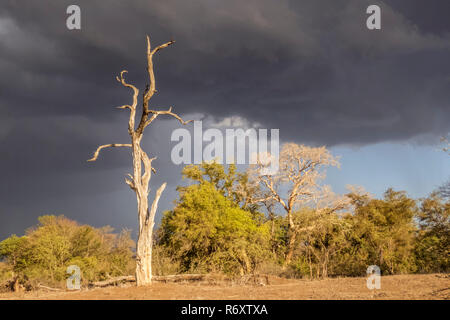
(328, 77)
(310, 68)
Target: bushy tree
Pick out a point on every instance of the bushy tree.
(45, 252)
(433, 237)
(383, 233)
(294, 185)
(207, 231)
(323, 239)
(14, 251)
(231, 183)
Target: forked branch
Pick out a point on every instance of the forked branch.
(132, 107)
(169, 112)
(148, 169)
(151, 88)
(151, 73)
(135, 90)
(151, 213)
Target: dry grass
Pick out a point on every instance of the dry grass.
(432, 286)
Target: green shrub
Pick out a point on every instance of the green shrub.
(44, 253)
(208, 232)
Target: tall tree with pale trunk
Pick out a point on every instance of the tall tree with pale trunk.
(140, 179)
(296, 183)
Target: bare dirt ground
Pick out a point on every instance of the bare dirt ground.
(433, 286)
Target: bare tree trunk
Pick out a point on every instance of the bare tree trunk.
(292, 234)
(144, 258)
(325, 265)
(272, 232)
(309, 262)
(16, 285)
(291, 247)
(140, 180)
(381, 256)
(145, 240)
(248, 267)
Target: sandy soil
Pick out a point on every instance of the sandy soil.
(433, 286)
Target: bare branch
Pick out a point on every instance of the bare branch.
(162, 46)
(168, 112)
(130, 182)
(262, 200)
(124, 107)
(135, 90)
(269, 185)
(112, 145)
(152, 212)
(151, 87)
(132, 108)
(148, 169)
(151, 74)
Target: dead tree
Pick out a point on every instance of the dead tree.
(300, 169)
(140, 179)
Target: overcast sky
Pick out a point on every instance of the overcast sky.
(378, 98)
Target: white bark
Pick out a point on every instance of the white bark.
(140, 179)
(300, 169)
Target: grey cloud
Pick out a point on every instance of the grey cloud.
(309, 68)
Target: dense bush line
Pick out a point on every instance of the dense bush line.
(44, 253)
(212, 228)
(215, 226)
